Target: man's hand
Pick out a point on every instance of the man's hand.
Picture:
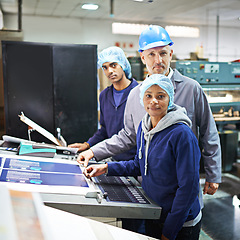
(84, 157)
(81, 146)
(210, 188)
(95, 170)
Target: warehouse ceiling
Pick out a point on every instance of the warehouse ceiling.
(164, 12)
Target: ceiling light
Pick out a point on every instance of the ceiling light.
(89, 6)
(150, 1)
(128, 28)
(182, 31)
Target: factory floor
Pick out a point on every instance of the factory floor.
(221, 212)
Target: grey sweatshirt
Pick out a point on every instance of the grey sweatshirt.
(176, 115)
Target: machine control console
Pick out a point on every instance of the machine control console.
(209, 72)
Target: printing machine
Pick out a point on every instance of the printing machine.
(221, 84)
(114, 197)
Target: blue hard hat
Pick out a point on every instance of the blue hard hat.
(115, 54)
(154, 36)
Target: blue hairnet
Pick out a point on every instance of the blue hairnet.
(115, 54)
(163, 82)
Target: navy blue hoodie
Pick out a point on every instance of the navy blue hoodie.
(168, 159)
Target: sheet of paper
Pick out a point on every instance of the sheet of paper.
(65, 225)
(22, 216)
(44, 175)
(8, 228)
(40, 166)
(40, 129)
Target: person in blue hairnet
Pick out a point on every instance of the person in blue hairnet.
(112, 99)
(167, 158)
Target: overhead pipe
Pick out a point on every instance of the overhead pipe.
(19, 15)
(111, 8)
(217, 38)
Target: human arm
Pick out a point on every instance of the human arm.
(84, 157)
(210, 143)
(116, 144)
(95, 170)
(126, 138)
(210, 188)
(189, 94)
(81, 146)
(122, 168)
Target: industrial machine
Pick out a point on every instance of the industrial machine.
(221, 84)
(62, 185)
(51, 169)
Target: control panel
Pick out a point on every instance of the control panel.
(209, 72)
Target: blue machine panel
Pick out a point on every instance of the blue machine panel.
(210, 73)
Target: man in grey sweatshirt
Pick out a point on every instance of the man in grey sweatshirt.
(156, 52)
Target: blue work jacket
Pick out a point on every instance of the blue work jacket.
(111, 119)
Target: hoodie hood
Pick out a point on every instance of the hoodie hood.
(175, 115)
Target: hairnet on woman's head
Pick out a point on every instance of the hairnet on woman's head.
(163, 82)
(115, 54)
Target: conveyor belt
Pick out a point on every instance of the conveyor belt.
(120, 189)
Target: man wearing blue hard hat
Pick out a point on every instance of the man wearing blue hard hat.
(155, 51)
(155, 47)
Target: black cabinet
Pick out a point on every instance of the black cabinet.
(55, 85)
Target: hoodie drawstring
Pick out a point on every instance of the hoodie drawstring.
(146, 154)
(140, 152)
(140, 149)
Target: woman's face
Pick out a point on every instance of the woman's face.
(156, 102)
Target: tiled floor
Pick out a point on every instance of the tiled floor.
(221, 212)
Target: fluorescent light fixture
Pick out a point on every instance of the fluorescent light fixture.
(138, 0)
(182, 31)
(89, 6)
(227, 98)
(128, 28)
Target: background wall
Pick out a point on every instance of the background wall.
(99, 32)
(87, 31)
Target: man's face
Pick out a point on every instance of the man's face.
(157, 60)
(113, 71)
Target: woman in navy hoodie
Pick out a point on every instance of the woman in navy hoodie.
(168, 159)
